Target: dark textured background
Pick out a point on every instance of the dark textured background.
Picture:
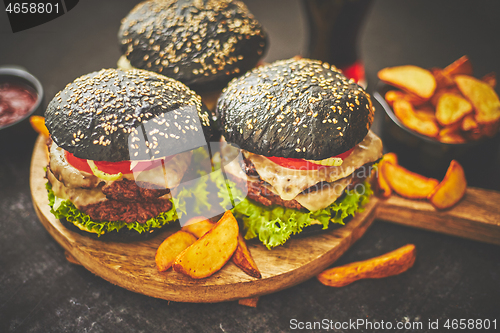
(452, 278)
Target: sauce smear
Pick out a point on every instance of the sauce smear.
(16, 100)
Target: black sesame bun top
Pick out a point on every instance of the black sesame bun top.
(115, 115)
(195, 42)
(295, 109)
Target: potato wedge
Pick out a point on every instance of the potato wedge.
(389, 264)
(451, 108)
(393, 95)
(482, 97)
(451, 134)
(439, 92)
(443, 80)
(470, 128)
(198, 226)
(469, 123)
(451, 189)
(410, 78)
(390, 158)
(38, 124)
(170, 248)
(384, 189)
(405, 112)
(426, 112)
(490, 79)
(211, 252)
(251, 302)
(244, 260)
(406, 183)
(460, 66)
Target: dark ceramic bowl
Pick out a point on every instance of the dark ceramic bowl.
(427, 154)
(20, 130)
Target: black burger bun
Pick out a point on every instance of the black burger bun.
(203, 44)
(296, 108)
(114, 115)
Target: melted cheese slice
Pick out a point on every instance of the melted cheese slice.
(325, 197)
(322, 198)
(288, 183)
(168, 176)
(77, 195)
(66, 173)
(312, 201)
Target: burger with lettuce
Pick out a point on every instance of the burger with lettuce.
(120, 141)
(304, 132)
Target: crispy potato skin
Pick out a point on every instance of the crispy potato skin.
(409, 78)
(210, 252)
(458, 99)
(38, 124)
(490, 79)
(198, 226)
(383, 187)
(451, 189)
(406, 113)
(251, 302)
(389, 264)
(244, 260)
(406, 183)
(482, 96)
(460, 66)
(170, 248)
(451, 108)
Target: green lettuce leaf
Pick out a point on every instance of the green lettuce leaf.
(274, 225)
(201, 199)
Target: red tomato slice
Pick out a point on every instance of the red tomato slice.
(78, 163)
(113, 167)
(345, 154)
(301, 164)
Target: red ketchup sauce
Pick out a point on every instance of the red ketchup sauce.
(16, 100)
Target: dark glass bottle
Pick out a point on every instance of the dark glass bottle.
(334, 27)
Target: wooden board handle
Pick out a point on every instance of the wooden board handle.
(476, 216)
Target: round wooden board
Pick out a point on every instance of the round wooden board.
(132, 265)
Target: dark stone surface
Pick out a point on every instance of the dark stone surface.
(452, 278)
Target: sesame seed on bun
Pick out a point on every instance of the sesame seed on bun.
(296, 108)
(114, 115)
(203, 44)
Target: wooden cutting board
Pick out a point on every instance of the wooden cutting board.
(132, 265)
